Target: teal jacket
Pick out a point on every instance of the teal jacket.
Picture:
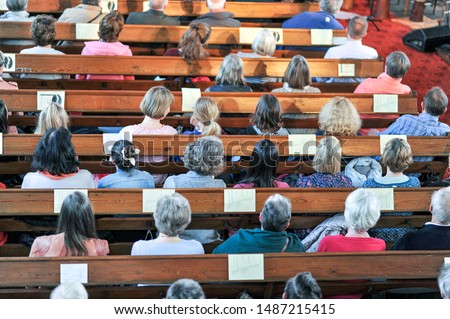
(259, 241)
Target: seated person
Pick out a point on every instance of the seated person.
(230, 77)
(297, 77)
(217, 16)
(271, 237)
(75, 234)
(17, 11)
(53, 116)
(204, 118)
(153, 16)
(88, 11)
(69, 290)
(302, 286)
(3, 84)
(444, 281)
(185, 289)
(339, 118)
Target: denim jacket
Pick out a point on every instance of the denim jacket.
(131, 179)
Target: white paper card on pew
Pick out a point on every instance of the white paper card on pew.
(108, 5)
(9, 65)
(145, 6)
(346, 69)
(321, 37)
(446, 260)
(3, 6)
(239, 200)
(86, 31)
(304, 144)
(110, 138)
(246, 267)
(385, 197)
(44, 98)
(385, 103)
(1, 143)
(386, 138)
(189, 98)
(247, 35)
(60, 194)
(150, 198)
(74, 273)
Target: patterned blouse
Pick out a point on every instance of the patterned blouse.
(321, 180)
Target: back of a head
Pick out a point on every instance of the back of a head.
(231, 71)
(397, 64)
(302, 286)
(328, 156)
(193, 41)
(397, 155)
(110, 26)
(55, 153)
(263, 164)
(157, 4)
(276, 213)
(331, 6)
(185, 289)
(90, 2)
(444, 281)
(77, 222)
(172, 214)
(339, 117)
(264, 43)
(69, 290)
(216, 4)
(207, 112)
(124, 154)
(297, 74)
(440, 206)
(43, 30)
(156, 102)
(3, 118)
(16, 5)
(53, 116)
(2, 60)
(357, 27)
(435, 101)
(362, 210)
(205, 156)
(268, 114)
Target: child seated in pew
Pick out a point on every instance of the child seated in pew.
(155, 105)
(53, 116)
(76, 234)
(204, 118)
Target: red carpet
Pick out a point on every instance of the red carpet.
(427, 69)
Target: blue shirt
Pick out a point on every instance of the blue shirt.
(131, 179)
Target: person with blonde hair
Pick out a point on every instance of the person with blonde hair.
(204, 118)
(339, 117)
(230, 77)
(327, 164)
(53, 116)
(155, 105)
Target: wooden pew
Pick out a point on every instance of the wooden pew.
(116, 276)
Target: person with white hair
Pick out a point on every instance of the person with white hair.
(444, 281)
(153, 16)
(218, 16)
(434, 235)
(271, 237)
(185, 289)
(69, 290)
(17, 11)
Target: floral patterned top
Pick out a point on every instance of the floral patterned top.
(321, 180)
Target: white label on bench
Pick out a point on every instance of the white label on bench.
(74, 273)
(346, 69)
(86, 31)
(108, 5)
(189, 98)
(385, 103)
(386, 138)
(3, 6)
(446, 260)
(246, 267)
(339, 40)
(60, 194)
(150, 198)
(44, 98)
(385, 197)
(247, 35)
(1, 143)
(304, 144)
(145, 6)
(10, 62)
(239, 200)
(321, 37)
(110, 138)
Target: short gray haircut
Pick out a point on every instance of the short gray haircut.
(69, 290)
(205, 156)
(362, 210)
(435, 101)
(215, 4)
(397, 64)
(264, 43)
(172, 214)
(231, 71)
(444, 281)
(331, 6)
(357, 27)
(17, 5)
(276, 213)
(157, 4)
(185, 289)
(90, 2)
(440, 205)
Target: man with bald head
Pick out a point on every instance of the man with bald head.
(218, 16)
(153, 16)
(88, 11)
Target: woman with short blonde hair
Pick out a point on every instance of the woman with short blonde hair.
(230, 77)
(339, 117)
(53, 116)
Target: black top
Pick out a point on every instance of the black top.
(430, 237)
(153, 17)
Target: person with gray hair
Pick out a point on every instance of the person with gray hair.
(172, 216)
(185, 289)
(17, 11)
(362, 211)
(271, 237)
(389, 82)
(88, 11)
(153, 16)
(444, 281)
(302, 286)
(218, 16)
(69, 290)
(434, 235)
